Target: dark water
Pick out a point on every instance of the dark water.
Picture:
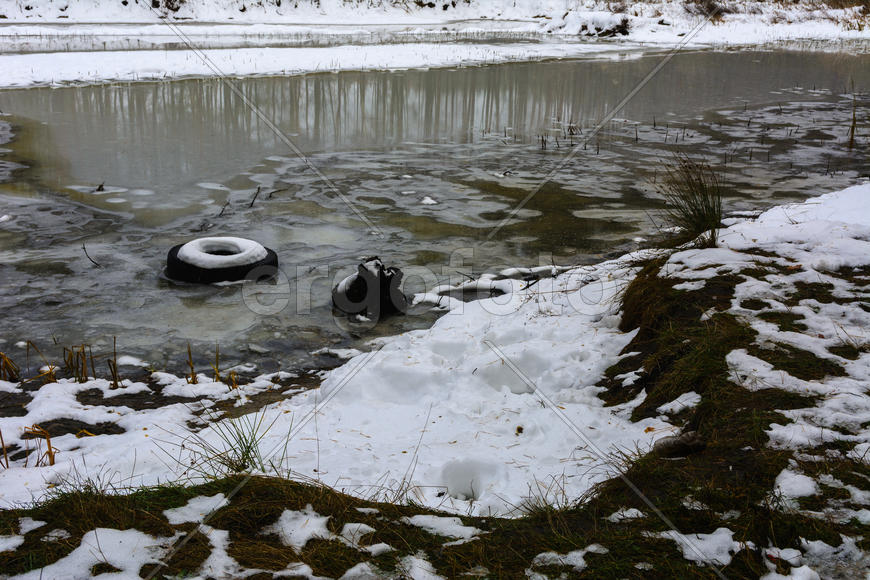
(184, 159)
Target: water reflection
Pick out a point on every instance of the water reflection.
(166, 136)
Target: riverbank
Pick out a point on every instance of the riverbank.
(55, 43)
(522, 405)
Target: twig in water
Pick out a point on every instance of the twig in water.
(224, 208)
(854, 119)
(88, 256)
(113, 365)
(274, 191)
(217, 363)
(255, 197)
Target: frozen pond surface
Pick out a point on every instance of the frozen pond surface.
(184, 159)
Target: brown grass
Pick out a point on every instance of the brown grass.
(9, 371)
(39, 434)
(192, 379)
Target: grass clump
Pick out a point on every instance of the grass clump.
(797, 362)
(735, 472)
(9, 371)
(754, 304)
(693, 193)
(849, 350)
(231, 446)
(787, 321)
(820, 292)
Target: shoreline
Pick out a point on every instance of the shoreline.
(754, 345)
(575, 313)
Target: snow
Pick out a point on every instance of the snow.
(844, 561)
(352, 532)
(219, 564)
(450, 527)
(26, 525)
(361, 571)
(690, 286)
(21, 70)
(561, 333)
(196, 509)
(716, 548)
(378, 549)
(810, 243)
(202, 252)
(295, 528)
(90, 41)
(127, 550)
(342, 353)
(685, 401)
(791, 484)
(10, 543)
(56, 535)
(417, 568)
(574, 558)
(800, 573)
(131, 361)
(625, 514)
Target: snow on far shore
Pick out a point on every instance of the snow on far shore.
(22, 70)
(48, 42)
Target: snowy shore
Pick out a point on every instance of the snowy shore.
(475, 414)
(53, 43)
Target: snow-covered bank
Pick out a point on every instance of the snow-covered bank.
(554, 16)
(94, 67)
(497, 403)
(335, 35)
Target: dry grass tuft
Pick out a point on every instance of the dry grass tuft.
(48, 374)
(192, 379)
(9, 371)
(113, 365)
(39, 434)
(5, 459)
(693, 193)
(217, 363)
(76, 362)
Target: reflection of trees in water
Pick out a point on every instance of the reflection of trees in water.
(154, 132)
(353, 109)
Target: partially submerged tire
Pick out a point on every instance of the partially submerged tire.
(220, 259)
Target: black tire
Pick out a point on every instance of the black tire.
(177, 269)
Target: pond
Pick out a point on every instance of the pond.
(423, 168)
